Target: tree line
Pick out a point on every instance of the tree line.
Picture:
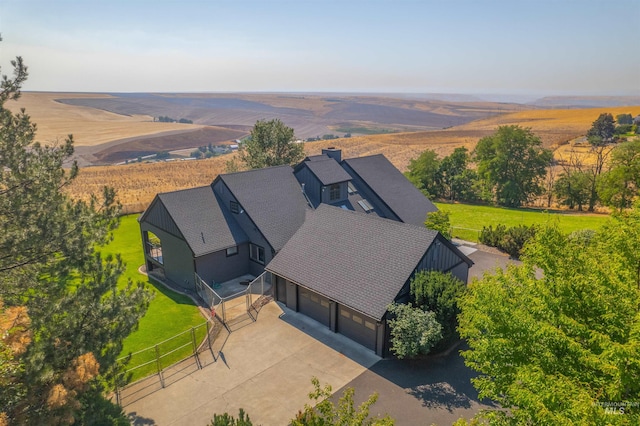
(167, 119)
(511, 168)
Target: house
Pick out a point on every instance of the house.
(343, 268)
(338, 239)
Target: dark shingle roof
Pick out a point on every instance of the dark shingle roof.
(359, 260)
(272, 198)
(328, 171)
(204, 223)
(404, 199)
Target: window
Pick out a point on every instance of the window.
(234, 206)
(365, 205)
(256, 253)
(351, 188)
(334, 192)
(154, 247)
(232, 251)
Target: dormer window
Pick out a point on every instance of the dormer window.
(334, 192)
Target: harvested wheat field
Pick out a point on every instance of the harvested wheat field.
(89, 126)
(137, 184)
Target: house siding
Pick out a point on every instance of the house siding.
(326, 194)
(176, 255)
(312, 185)
(217, 267)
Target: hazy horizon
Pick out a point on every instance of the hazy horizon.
(521, 49)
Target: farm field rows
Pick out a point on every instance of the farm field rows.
(89, 126)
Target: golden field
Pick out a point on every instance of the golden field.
(137, 184)
(89, 126)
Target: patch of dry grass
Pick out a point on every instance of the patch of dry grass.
(137, 184)
(89, 126)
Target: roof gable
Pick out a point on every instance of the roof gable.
(158, 215)
(273, 199)
(328, 171)
(204, 224)
(359, 260)
(392, 187)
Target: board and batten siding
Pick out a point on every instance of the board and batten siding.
(158, 216)
(176, 255)
(312, 186)
(439, 257)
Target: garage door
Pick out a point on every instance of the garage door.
(314, 306)
(357, 327)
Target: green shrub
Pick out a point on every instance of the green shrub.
(413, 331)
(492, 237)
(439, 292)
(510, 240)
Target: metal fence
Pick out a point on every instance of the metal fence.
(222, 306)
(154, 360)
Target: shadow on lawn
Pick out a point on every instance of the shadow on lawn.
(177, 298)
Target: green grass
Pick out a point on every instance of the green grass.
(169, 313)
(474, 218)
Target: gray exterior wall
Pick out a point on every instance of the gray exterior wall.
(366, 193)
(176, 255)
(439, 257)
(217, 267)
(461, 272)
(312, 186)
(314, 189)
(343, 194)
(247, 225)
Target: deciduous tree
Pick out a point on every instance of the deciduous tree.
(424, 173)
(558, 347)
(326, 413)
(271, 144)
(439, 221)
(621, 184)
(514, 162)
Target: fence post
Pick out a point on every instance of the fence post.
(195, 347)
(224, 312)
(158, 366)
(208, 334)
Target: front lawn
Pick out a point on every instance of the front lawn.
(473, 218)
(169, 313)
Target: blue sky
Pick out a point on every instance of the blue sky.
(537, 47)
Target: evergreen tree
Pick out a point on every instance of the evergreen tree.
(78, 313)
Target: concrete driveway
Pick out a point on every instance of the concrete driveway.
(264, 367)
